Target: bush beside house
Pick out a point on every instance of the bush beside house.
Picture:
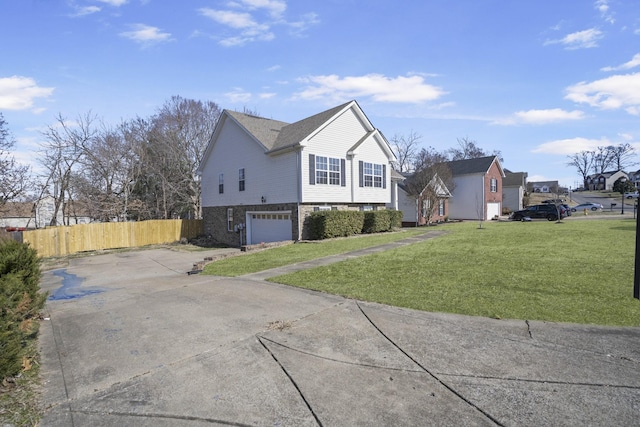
(329, 224)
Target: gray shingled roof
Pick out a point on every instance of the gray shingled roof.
(471, 166)
(276, 135)
(264, 130)
(513, 178)
(294, 133)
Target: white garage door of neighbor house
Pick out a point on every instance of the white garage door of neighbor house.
(493, 209)
(266, 227)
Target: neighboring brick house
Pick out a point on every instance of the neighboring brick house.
(477, 188)
(261, 178)
(416, 208)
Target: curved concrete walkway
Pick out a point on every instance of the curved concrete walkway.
(139, 342)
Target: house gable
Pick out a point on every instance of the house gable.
(256, 169)
(477, 192)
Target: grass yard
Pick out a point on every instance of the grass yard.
(577, 271)
(291, 254)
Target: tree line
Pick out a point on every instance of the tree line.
(605, 158)
(143, 168)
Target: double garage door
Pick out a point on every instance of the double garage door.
(263, 227)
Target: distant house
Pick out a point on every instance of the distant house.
(477, 192)
(543, 187)
(604, 180)
(635, 178)
(514, 186)
(39, 214)
(261, 178)
(430, 205)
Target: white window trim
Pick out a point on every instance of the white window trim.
(230, 219)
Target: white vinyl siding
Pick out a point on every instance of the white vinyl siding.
(272, 177)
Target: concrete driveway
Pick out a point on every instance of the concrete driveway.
(132, 340)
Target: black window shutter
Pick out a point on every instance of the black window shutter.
(361, 168)
(384, 176)
(343, 178)
(312, 169)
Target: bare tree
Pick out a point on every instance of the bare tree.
(405, 150)
(622, 156)
(184, 127)
(431, 181)
(603, 159)
(64, 147)
(103, 182)
(169, 147)
(469, 149)
(583, 162)
(15, 179)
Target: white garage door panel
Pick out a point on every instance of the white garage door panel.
(269, 227)
(493, 209)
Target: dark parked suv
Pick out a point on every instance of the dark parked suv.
(548, 211)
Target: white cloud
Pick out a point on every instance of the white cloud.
(571, 145)
(306, 21)
(274, 7)
(603, 7)
(84, 11)
(250, 29)
(229, 18)
(116, 3)
(579, 40)
(238, 95)
(253, 20)
(611, 93)
(267, 95)
(146, 35)
(411, 89)
(19, 93)
(541, 117)
(635, 61)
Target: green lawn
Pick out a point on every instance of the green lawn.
(291, 254)
(575, 271)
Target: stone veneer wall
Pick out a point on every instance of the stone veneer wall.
(215, 219)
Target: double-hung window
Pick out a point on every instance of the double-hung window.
(230, 219)
(221, 183)
(326, 170)
(493, 185)
(322, 172)
(372, 175)
(241, 179)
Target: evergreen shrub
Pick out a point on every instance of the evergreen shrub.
(20, 302)
(329, 224)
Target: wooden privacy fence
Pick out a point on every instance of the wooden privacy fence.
(57, 241)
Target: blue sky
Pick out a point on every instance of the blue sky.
(537, 80)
